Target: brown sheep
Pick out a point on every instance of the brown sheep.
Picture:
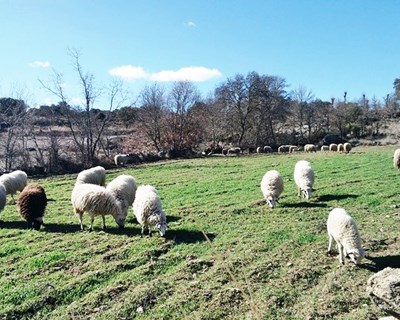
(32, 203)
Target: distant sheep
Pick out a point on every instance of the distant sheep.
(32, 204)
(333, 147)
(343, 229)
(396, 159)
(96, 201)
(347, 147)
(310, 148)
(234, 150)
(259, 150)
(268, 149)
(340, 147)
(123, 188)
(324, 148)
(304, 178)
(148, 210)
(3, 197)
(13, 182)
(272, 187)
(292, 149)
(96, 175)
(284, 149)
(121, 159)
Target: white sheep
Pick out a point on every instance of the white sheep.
(96, 201)
(304, 178)
(123, 188)
(259, 150)
(95, 175)
(272, 187)
(333, 147)
(3, 197)
(284, 149)
(268, 149)
(121, 159)
(13, 182)
(340, 147)
(148, 210)
(310, 148)
(347, 147)
(324, 148)
(343, 229)
(396, 159)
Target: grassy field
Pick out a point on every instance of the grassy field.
(226, 254)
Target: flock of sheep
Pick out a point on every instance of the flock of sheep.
(287, 148)
(91, 196)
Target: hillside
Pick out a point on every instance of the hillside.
(226, 254)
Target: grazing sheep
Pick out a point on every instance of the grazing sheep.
(304, 178)
(347, 147)
(272, 187)
(148, 210)
(343, 229)
(259, 150)
(121, 159)
(284, 149)
(324, 148)
(292, 149)
(396, 159)
(96, 175)
(96, 201)
(268, 149)
(310, 148)
(32, 204)
(340, 147)
(3, 197)
(123, 188)
(13, 182)
(333, 147)
(234, 150)
(225, 151)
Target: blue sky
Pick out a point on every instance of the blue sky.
(326, 46)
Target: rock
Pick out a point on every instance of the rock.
(384, 290)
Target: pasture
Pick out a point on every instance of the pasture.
(226, 253)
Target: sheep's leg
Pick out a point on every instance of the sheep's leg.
(104, 222)
(299, 192)
(29, 224)
(341, 259)
(91, 223)
(80, 219)
(330, 244)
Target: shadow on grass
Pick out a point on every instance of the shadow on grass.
(185, 236)
(381, 263)
(330, 197)
(304, 205)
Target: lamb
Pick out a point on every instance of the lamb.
(13, 182)
(148, 210)
(304, 178)
(121, 159)
(96, 201)
(324, 148)
(123, 188)
(347, 147)
(333, 147)
(310, 148)
(96, 175)
(340, 147)
(343, 229)
(396, 159)
(3, 197)
(272, 187)
(32, 204)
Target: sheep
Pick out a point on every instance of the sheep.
(272, 187)
(396, 159)
(343, 229)
(3, 197)
(32, 204)
(324, 148)
(292, 149)
(304, 178)
(121, 159)
(268, 149)
(13, 182)
(333, 147)
(96, 175)
(148, 210)
(123, 188)
(234, 150)
(284, 149)
(347, 147)
(259, 150)
(96, 200)
(340, 147)
(310, 148)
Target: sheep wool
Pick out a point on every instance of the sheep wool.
(396, 159)
(3, 197)
(123, 188)
(14, 181)
(272, 187)
(32, 204)
(148, 210)
(95, 175)
(343, 229)
(304, 178)
(95, 201)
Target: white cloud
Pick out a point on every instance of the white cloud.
(128, 72)
(190, 24)
(39, 64)
(195, 74)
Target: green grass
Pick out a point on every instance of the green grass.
(256, 263)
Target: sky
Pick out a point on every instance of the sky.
(325, 46)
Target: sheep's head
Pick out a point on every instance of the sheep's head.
(36, 224)
(162, 228)
(356, 255)
(307, 193)
(120, 219)
(271, 201)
